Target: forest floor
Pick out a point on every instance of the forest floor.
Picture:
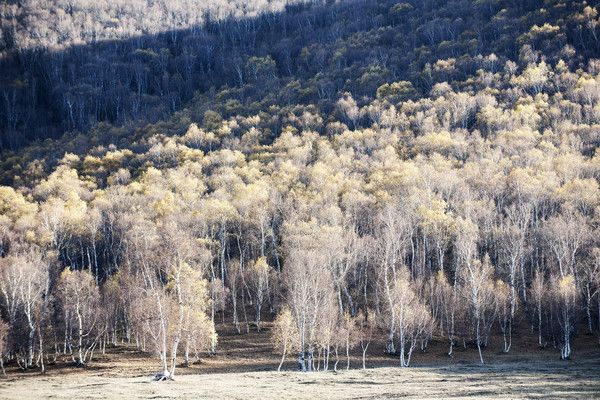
(244, 367)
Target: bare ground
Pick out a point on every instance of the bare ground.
(510, 381)
(244, 369)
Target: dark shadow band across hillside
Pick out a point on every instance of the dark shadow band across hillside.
(309, 54)
(46, 93)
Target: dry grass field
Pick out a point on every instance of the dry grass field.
(510, 381)
(244, 368)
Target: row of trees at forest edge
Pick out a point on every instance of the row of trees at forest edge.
(162, 306)
(454, 217)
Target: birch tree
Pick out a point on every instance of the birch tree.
(539, 297)
(513, 235)
(392, 237)
(413, 317)
(309, 287)
(478, 291)
(366, 325)
(284, 335)
(258, 278)
(79, 299)
(565, 295)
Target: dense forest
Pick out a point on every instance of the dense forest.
(308, 55)
(58, 24)
(357, 170)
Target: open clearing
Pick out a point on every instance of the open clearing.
(244, 368)
(524, 380)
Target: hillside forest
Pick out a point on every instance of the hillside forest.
(349, 172)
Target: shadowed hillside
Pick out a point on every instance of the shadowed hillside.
(309, 54)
